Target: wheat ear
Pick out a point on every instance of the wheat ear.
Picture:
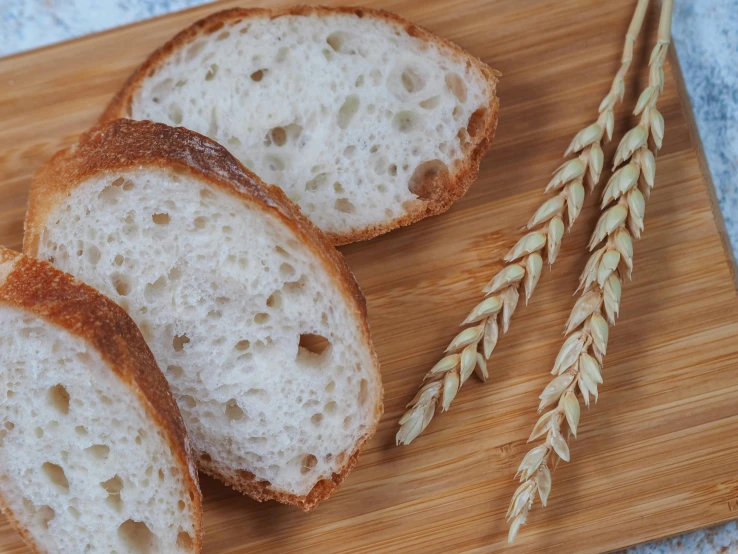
(469, 350)
(578, 365)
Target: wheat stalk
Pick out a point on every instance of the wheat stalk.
(471, 348)
(578, 365)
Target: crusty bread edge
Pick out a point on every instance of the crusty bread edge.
(124, 144)
(37, 287)
(446, 188)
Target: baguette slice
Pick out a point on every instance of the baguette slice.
(366, 121)
(93, 451)
(253, 316)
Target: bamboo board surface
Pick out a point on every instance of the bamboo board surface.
(658, 454)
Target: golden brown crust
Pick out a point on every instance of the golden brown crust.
(246, 482)
(480, 129)
(38, 288)
(126, 144)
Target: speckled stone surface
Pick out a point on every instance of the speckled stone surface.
(706, 37)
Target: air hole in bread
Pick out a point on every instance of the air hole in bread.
(121, 284)
(194, 50)
(175, 371)
(113, 485)
(137, 537)
(430, 103)
(178, 342)
(181, 505)
(188, 401)
(145, 327)
(314, 344)
(336, 40)
(405, 122)
(294, 131)
(184, 541)
(93, 254)
(211, 72)
(175, 113)
(98, 451)
(233, 410)
(363, 392)
(392, 169)
(161, 218)
(112, 194)
(74, 512)
(457, 113)
(428, 178)
(344, 205)
(261, 318)
(175, 273)
(81, 430)
(38, 432)
(330, 407)
(56, 475)
(316, 418)
(347, 421)
(151, 290)
(44, 515)
(233, 141)
(457, 86)
(317, 182)
(308, 463)
(349, 151)
(279, 136)
(275, 300)
(242, 345)
(201, 222)
(222, 36)
(359, 81)
(286, 270)
(330, 387)
(411, 81)
(348, 110)
(476, 122)
(59, 398)
(258, 75)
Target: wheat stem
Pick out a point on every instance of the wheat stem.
(578, 366)
(524, 261)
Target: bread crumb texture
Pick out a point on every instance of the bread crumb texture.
(358, 120)
(82, 468)
(261, 348)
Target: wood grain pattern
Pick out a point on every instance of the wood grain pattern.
(656, 456)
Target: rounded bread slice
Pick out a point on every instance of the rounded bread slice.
(252, 315)
(93, 451)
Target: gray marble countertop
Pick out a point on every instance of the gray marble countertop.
(706, 38)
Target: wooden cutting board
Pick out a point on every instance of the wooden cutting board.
(658, 455)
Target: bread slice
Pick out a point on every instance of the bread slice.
(93, 451)
(366, 121)
(253, 316)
